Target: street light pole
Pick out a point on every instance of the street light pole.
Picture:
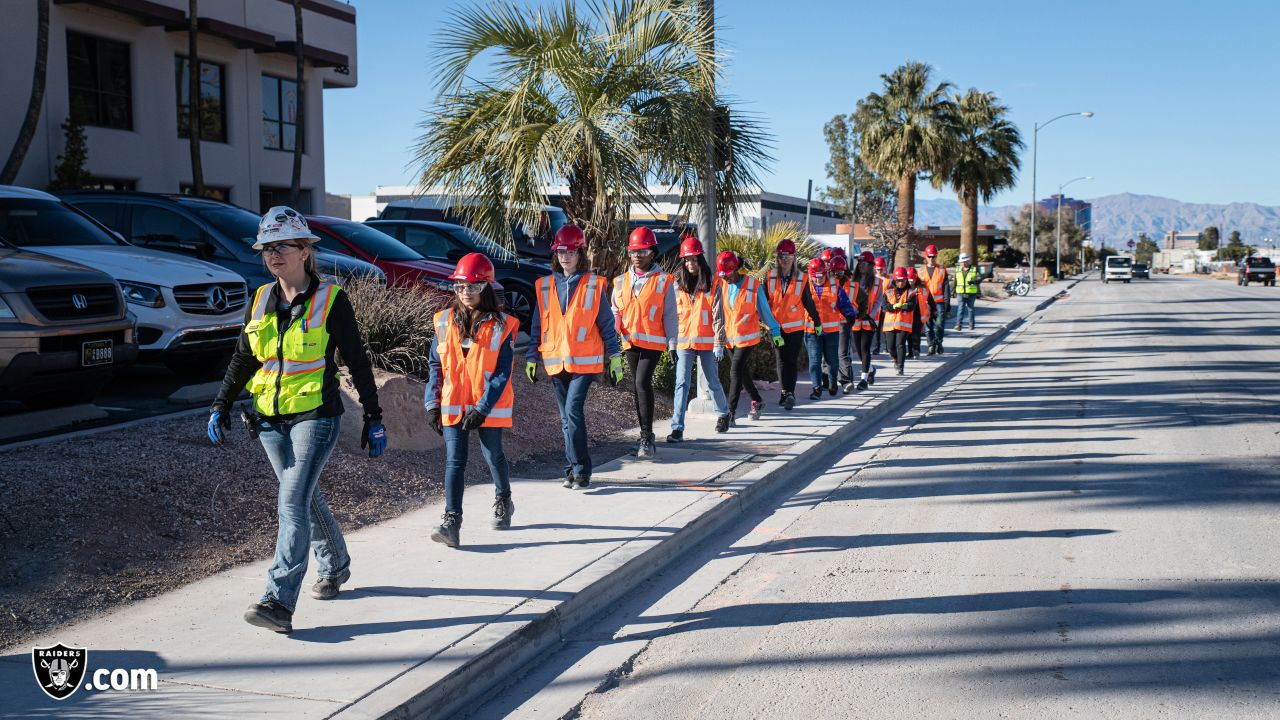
(1057, 263)
(1035, 140)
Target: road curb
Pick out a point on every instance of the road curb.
(462, 675)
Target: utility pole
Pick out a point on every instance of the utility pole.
(808, 203)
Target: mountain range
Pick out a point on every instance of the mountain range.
(1119, 218)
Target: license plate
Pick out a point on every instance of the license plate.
(96, 352)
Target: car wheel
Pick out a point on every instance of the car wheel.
(198, 365)
(1126, 282)
(520, 302)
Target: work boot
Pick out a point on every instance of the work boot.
(646, 450)
(899, 369)
(447, 533)
(847, 388)
(932, 350)
(584, 481)
(503, 510)
(722, 424)
(971, 327)
(675, 436)
(816, 394)
(327, 588)
(871, 377)
(959, 328)
(788, 400)
(270, 615)
(939, 348)
(756, 407)
(568, 480)
(862, 385)
(832, 389)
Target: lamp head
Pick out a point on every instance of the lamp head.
(1087, 113)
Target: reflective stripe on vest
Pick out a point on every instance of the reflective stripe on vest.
(902, 319)
(291, 378)
(742, 318)
(464, 377)
(570, 341)
(640, 313)
(828, 302)
(695, 311)
(967, 281)
(787, 301)
(936, 281)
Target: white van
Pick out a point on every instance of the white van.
(1117, 267)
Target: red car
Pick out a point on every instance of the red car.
(404, 266)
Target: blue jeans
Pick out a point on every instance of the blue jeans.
(298, 453)
(937, 325)
(707, 366)
(823, 347)
(571, 397)
(967, 303)
(455, 463)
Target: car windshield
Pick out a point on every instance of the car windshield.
(235, 223)
(374, 242)
(1120, 261)
(33, 223)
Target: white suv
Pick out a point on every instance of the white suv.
(189, 312)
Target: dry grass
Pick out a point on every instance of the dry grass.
(396, 325)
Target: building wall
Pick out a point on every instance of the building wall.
(151, 153)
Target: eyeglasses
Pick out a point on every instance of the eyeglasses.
(639, 253)
(785, 255)
(465, 288)
(566, 253)
(280, 248)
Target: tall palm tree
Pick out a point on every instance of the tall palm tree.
(905, 133)
(195, 99)
(34, 102)
(606, 99)
(984, 161)
(299, 131)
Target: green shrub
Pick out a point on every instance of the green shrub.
(396, 324)
(948, 257)
(664, 376)
(757, 249)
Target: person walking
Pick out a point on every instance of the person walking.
(902, 303)
(469, 388)
(701, 337)
(644, 305)
(792, 305)
(842, 276)
(867, 298)
(917, 322)
(938, 283)
(571, 332)
(967, 280)
(745, 309)
(295, 329)
(882, 278)
(822, 338)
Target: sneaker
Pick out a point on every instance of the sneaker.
(972, 327)
(862, 385)
(503, 509)
(939, 348)
(447, 533)
(568, 480)
(756, 407)
(327, 588)
(646, 450)
(832, 390)
(815, 395)
(722, 424)
(675, 436)
(270, 615)
(788, 400)
(932, 350)
(958, 328)
(846, 388)
(871, 377)
(584, 481)
(899, 369)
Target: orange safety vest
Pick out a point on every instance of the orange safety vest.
(640, 316)
(901, 319)
(786, 301)
(936, 281)
(873, 295)
(828, 307)
(570, 340)
(465, 376)
(742, 318)
(696, 329)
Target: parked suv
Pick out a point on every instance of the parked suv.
(1257, 269)
(218, 232)
(63, 329)
(189, 312)
(1117, 267)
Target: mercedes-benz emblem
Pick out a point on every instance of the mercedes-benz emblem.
(80, 302)
(217, 299)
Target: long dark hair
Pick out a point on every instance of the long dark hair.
(691, 283)
(469, 320)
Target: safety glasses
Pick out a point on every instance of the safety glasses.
(465, 288)
(283, 248)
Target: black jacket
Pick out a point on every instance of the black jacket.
(344, 338)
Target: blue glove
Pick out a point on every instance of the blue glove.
(218, 422)
(374, 438)
(718, 353)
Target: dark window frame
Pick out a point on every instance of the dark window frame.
(278, 104)
(181, 84)
(88, 102)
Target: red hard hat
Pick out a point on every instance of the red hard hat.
(473, 267)
(839, 252)
(899, 273)
(880, 264)
(726, 263)
(826, 254)
(786, 246)
(912, 274)
(817, 267)
(642, 239)
(690, 247)
(569, 237)
(866, 256)
(931, 251)
(838, 263)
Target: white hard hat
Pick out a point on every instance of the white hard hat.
(282, 223)
(964, 257)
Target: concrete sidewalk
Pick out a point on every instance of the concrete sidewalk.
(422, 630)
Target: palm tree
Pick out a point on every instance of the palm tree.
(295, 182)
(34, 102)
(606, 100)
(905, 133)
(195, 99)
(984, 161)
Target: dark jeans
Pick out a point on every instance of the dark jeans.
(917, 328)
(740, 377)
(862, 341)
(571, 397)
(897, 341)
(937, 325)
(455, 463)
(822, 347)
(879, 340)
(846, 353)
(790, 352)
(298, 453)
(643, 362)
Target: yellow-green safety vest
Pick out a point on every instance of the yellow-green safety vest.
(292, 374)
(967, 281)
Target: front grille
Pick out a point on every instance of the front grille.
(76, 302)
(65, 343)
(213, 338)
(207, 300)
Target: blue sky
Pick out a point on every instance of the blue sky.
(1184, 91)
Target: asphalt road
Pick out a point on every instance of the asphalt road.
(1084, 524)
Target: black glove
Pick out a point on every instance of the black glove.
(433, 421)
(473, 420)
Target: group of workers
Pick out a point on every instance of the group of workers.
(584, 325)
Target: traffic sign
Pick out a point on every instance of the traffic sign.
(1131, 243)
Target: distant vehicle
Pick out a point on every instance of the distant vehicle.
(404, 267)
(64, 328)
(530, 242)
(211, 230)
(448, 242)
(189, 312)
(1142, 270)
(1257, 269)
(1117, 267)
(1019, 286)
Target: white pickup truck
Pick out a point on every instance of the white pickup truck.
(1117, 267)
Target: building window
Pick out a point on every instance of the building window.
(213, 192)
(269, 197)
(99, 81)
(279, 114)
(101, 183)
(213, 99)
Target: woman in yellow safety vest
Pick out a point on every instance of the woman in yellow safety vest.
(286, 356)
(902, 304)
(701, 338)
(644, 308)
(469, 388)
(572, 332)
(745, 310)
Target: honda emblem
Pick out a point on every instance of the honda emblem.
(79, 301)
